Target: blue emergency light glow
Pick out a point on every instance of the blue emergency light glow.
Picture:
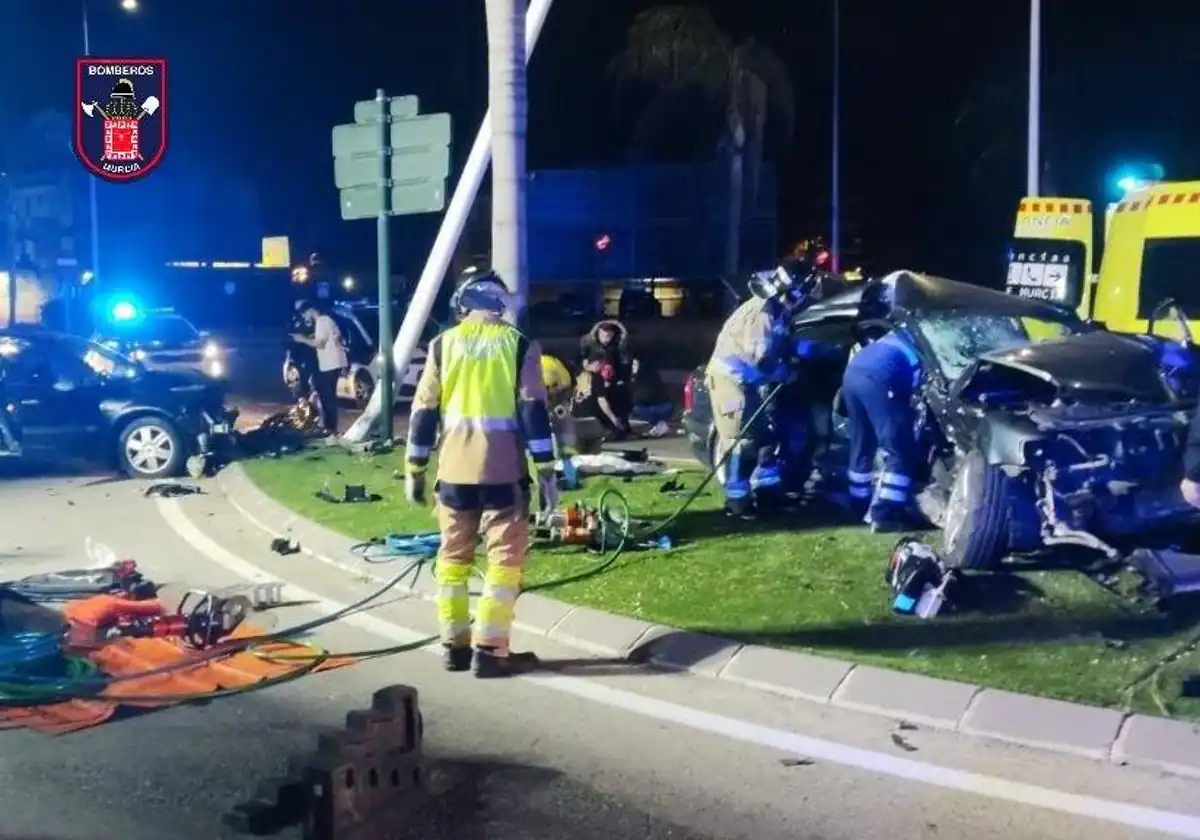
(124, 310)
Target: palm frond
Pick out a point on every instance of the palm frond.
(673, 45)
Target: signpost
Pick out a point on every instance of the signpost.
(391, 161)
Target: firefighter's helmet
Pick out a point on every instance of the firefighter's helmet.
(556, 376)
(123, 89)
(482, 293)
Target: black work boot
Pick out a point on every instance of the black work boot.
(488, 666)
(456, 658)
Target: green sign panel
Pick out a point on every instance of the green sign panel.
(399, 108)
(406, 164)
(407, 199)
(418, 148)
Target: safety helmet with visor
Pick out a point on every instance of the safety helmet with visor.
(482, 293)
(795, 285)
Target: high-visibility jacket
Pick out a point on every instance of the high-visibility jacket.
(754, 336)
(482, 391)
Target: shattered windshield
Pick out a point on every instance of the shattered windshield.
(959, 338)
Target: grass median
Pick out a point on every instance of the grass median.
(816, 587)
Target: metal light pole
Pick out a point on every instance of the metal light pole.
(93, 215)
(835, 203)
(1034, 120)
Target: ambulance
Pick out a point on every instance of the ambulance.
(1149, 275)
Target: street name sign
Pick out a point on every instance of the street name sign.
(418, 152)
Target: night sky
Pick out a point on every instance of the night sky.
(933, 103)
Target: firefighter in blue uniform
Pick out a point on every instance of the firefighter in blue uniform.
(751, 358)
(880, 385)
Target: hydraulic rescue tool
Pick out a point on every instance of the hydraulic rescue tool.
(121, 578)
(202, 619)
(918, 578)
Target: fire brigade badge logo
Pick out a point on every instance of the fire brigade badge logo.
(121, 120)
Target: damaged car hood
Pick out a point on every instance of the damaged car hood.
(1092, 366)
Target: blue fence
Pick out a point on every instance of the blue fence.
(648, 221)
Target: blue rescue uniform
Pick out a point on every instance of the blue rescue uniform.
(878, 387)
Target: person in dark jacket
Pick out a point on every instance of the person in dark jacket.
(610, 368)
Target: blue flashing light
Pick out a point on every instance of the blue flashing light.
(1128, 183)
(124, 310)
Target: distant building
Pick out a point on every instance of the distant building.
(41, 226)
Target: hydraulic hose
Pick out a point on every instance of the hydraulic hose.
(21, 685)
(41, 688)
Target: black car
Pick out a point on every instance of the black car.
(70, 398)
(1038, 429)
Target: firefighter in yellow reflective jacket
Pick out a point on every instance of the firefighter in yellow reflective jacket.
(560, 396)
(482, 395)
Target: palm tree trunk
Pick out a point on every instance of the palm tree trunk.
(737, 193)
(507, 99)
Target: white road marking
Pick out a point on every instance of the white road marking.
(1134, 816)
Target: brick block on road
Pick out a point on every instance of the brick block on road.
(1170, 745)
(611, 635)
(696, 652)
(789, 673)
(1047, 724)
(910, 697)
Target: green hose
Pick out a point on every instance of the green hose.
(625, 535)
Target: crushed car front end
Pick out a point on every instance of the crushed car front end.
(1089, 440)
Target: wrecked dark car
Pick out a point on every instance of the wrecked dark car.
(1039, 429)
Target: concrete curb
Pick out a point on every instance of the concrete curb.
(1101, 734)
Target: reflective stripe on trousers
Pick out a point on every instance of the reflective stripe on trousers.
(861, 484)
(893, 487)
(506, 534)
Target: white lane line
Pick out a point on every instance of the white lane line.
(1134, 816)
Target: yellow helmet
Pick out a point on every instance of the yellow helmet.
(556, 376)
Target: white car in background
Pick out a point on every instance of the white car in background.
(164, 340)
(358, 323)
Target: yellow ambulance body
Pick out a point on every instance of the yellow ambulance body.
(1151, 256)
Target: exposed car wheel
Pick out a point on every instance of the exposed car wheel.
(364, 385)
(151, 447)
(975, 535)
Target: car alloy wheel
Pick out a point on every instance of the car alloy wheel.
(149, 449)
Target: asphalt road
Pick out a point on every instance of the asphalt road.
(589, 749)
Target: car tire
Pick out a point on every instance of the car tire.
(364, 385)
(152, 448)
(975, 536)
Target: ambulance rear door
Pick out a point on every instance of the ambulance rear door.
(1050, 255)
